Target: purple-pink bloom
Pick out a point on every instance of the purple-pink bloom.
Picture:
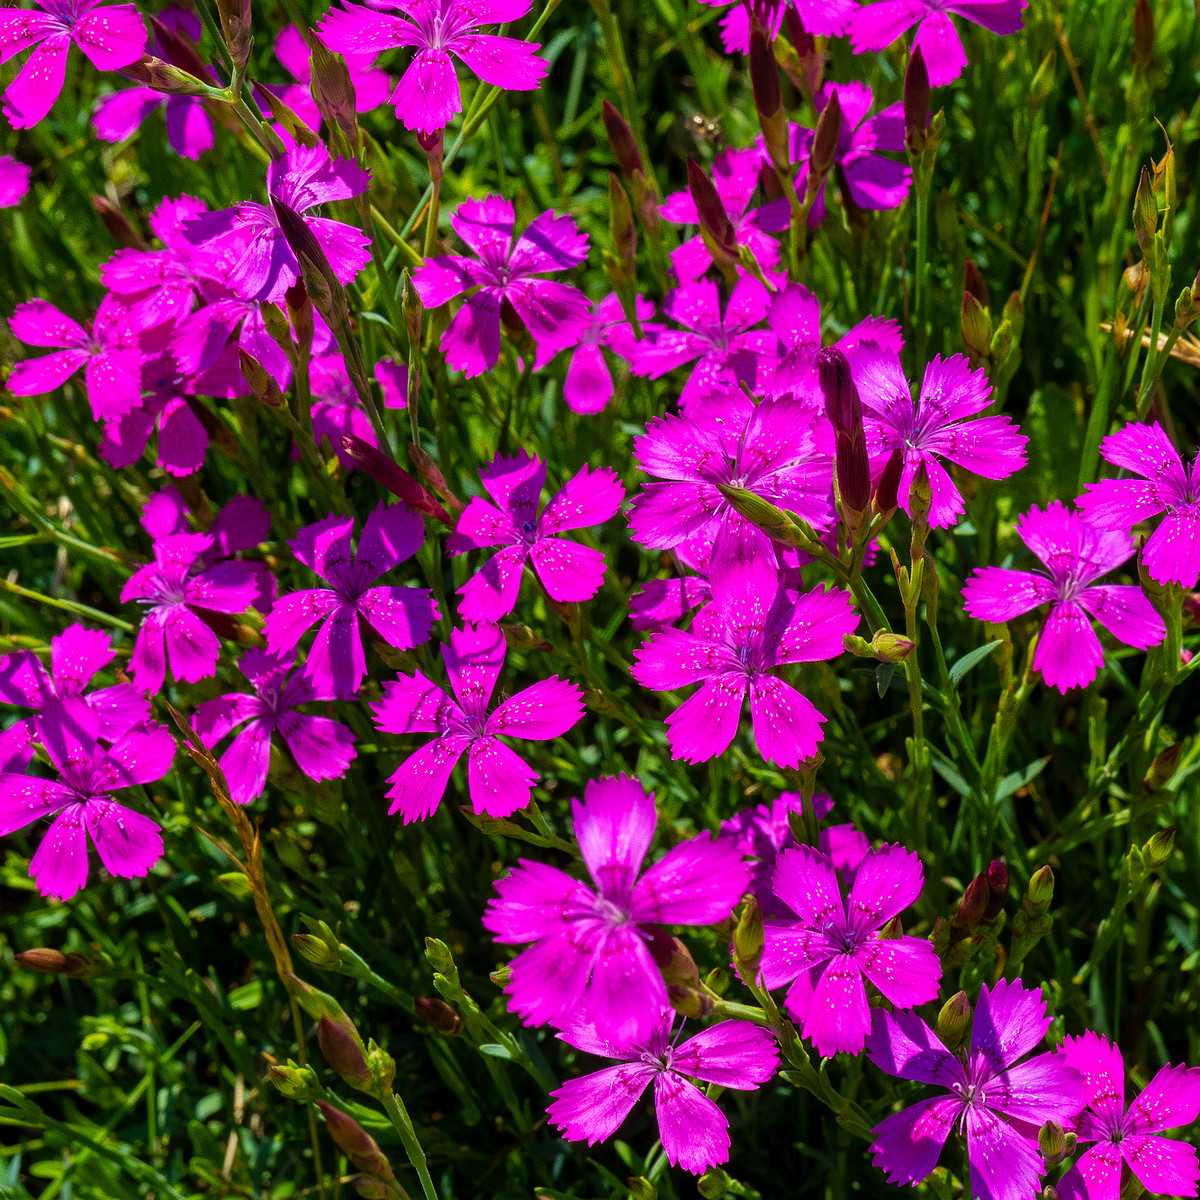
(754, 625)
(567, 570)
(76, 655)
(128, 843)
(372, 86)
(663, 602)
(1164, 1166)
(1164, 484)
(400, 616)
(996, 1100)
(427, 96)
(506, 274)
(109, 355)
(14, 181)
(1076, 554)
(498, 779)
(323, 748)
(111, 37)
(778, 449)
(589, 949)
(825, 18)
(936, 426)
(693, 1130)
(120, 115)
(245, 246)
(837, 946)
(876, 26)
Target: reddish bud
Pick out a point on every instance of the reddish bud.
(975, 284)
(885, 500)
(399, 482)
(844, 410)
(672, 958)
(916, 102)
(344, 1054)
(621, 138)
(178, 50)
(971, 907)
(236, 26)
(714, 220)
(439, 1014)
(764, 75)
(354, 1141)
(997, 881)
(54, 962)
(117, 224)
(811, 59)
(1143, 35)
(825, 139)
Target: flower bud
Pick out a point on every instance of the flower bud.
(390, 475)
(688, 1001)
(316, 951)
(1039, 893)
(920, 495)
(889, 647)
(354, 1141)
(714, 220)
(622, 232)
(748, 940)
(438, 955)
(974, 282)
(1159, 848)
(825, 143)
(319, 1004)
(1145, 211)
(118, 225)
(885, 502)
(620, 136)
(1052, 1143)
(296, 1083)
(54, 962)
(672, 958)
(640, 1188)
(259, 380)
(164, 77)
(438, 1014)
(971, 906)
(844, 410)
(998, 883)
(953, 1021)
(344, 1054)
(178, 50)
(382, 1067)
(333, 89)
(1163, 767)
(768, 100)
(892, 931)
(300, 313)
(1143, 36)
(916, 103)
(320, 281)
(237, 27)
(976, 327)
(713, 1184)
(521, 637)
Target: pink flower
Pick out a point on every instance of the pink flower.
(1164, 484)
(936, 426)
(498, 780)
(996, 1100)
(400, 616)
(371, 85)
(836, 944)
(111, 37)
(825, 18)
(128, 843)
(780, 450)
(589, 951)
(14, 181)
(323, 749)
(753, 626)
(1076, 554)
(120, 115)
(663, 602)
(877, 26)
(694, 1131)
(111, 360)
(245, 245)
(427, 96)
(1164, 1166)
(567, 570)
(505, 274)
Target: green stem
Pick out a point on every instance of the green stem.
(71, 606)
(398, 1115)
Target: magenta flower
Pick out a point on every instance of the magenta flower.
(1076, 554)
(589, 951)
(322, 748)
(372, 86)
(588, 386)
(76, 655)
(111, 360)
(1164, 1166)
(111, 37)
(120, 115)
(128, 843)
(400, 616)
(996, 1100)
(498, 780)
(14, 181)
(775, 449)
(694, 1131)
(1164, 484)
(876, 26)
(763, 832)
(427, 96)
(200, 338)
(937, 426)
(244, 245)
(735, 175)
(731, 349)
(505, 274)
(154, 286)
(836, 944)
(825, 18)
(568, 571)
(182, 439)
(753, 626)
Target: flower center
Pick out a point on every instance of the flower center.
(611, 913)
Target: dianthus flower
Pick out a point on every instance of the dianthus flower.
(589, 951)
(322, 748)
(128, 843)
(109, 355)
(14, 181)
(775, 449)
(588, 386)
(498, 779)
(1076, 554)
(837, 945)
(663, 602)
(505, 274)
(824, 18)
(76, 655)
(1164, 1166)
(1172, 553)
(245, 245)
(400, 616)
(936, 426)
(730, 346)
(568, 571)
(111, 37)
(754, 625)
(693, 1130)
(996, 1100)
(427, 95)
(876, 26)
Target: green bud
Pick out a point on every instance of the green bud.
(673, 958)
(438, 955)
(717, 980)
(1052, 1143)
(713, 1184)
(689, 1001)
(381, 1065)
(259, 380)
(1040, 892)
(953, 1021)
(892, 931)
(622, 232)
(1163, 767)
(319, 1004)
(891, 647)
(413, 309)
(640, 1188)
(976, 327)
(237, 884)
(316, 951)
(1159, 848)
(1145, 212)
(296, 1083)
(748, 940)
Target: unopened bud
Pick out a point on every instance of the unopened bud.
(316, 951)
(844, 410)
(333, 89)
(1163, 767)
(1052, 1143)
(892, 931)
(1145, 211)
(825, 141)
(382, 1067)
(178, 50)
(975, 284)
(413, 309)
(885, 500)
(429, 471)
(300, 313)
(344, 1054)
(953, 1021)
(920, 495)
(433, 144)
(354, 1141)
(296, 1083)
(622, 232)
(640, 1188)
(319, 279)
(1143, 36)
(54, 962)
(688, 1001)
(1039, 893)
(768, 100)
(164, 77)
(714, 220)
(971, 906)
(620, 136)
(672, 958)
(998, 883)
(1159, 848)
(438, 1014)
(713, 1184)
(259, 380)
(117, 224)
(889, 647)
(387, 473)
(319, 1004)
(236, 26)
(916, 102)
(976, 327)
(438, 955)
(748, 940)
(811, 56)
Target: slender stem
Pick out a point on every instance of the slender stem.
(398, 1115)
(71, 606)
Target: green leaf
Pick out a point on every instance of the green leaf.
(495, 1050)
(1018, 779)
(249, 995)
(964, 664)
(949, 772)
